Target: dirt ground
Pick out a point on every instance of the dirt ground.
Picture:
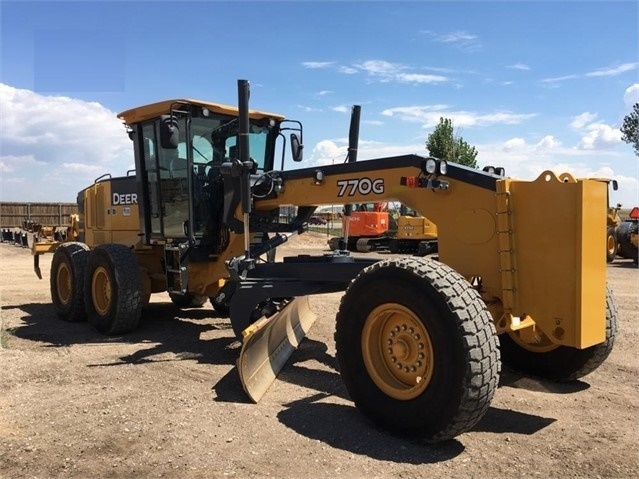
(166, 401)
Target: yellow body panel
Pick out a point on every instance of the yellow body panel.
(560, 273)
(110, 216)
(533, 245)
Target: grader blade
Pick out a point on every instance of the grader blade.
(269, 342)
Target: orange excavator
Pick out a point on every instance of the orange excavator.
(370, 228)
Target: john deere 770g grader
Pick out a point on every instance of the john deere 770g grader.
(520, 277)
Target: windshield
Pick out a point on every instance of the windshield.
(214, 140)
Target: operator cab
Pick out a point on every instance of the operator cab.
(179, 148)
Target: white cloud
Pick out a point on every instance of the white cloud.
(10, 163)
(323, 93)
(460, 39)
(373, 122)
(43, 133)
(580, 121)
(595, 135)
(559, 79)
(601, 72)
(420, 78)
(600, 136)
(347, 70)
(384, 71)
(612, 71)
(341, 109)
(548, 142)
(631, 95)
(514, 143)
(317, 65)
(429, 116)
(519, 66)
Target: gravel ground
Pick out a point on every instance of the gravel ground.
(165, 401)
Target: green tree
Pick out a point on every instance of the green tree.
(443, 144)
(630, 128)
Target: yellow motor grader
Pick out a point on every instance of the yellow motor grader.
(519, 279)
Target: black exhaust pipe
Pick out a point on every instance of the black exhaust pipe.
(353, 142)
(243, 93)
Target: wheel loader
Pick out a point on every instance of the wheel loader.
(416, 234)
(520, 278)
(628, 236)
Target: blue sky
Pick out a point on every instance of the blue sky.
(533, 85)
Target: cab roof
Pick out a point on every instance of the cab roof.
(154, 110)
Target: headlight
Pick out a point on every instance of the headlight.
(431, 166)
(443, 167)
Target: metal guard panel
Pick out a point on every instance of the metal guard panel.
(558, 238)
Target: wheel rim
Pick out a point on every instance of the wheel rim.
(63, 283)
(543, 345)
(611, 244)
(397, 351)
(101, 290)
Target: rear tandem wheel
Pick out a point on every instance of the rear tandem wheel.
(113, 292)
(417, 348)
(68, 268)
(559, 363)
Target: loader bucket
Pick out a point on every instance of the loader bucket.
(269, 342)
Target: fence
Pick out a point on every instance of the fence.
(12, 215)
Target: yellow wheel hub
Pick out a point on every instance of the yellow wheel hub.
(101, 290)
(63, 283)
(397, 351)
(611, 244)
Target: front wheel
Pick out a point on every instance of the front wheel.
(417, 348)
(113, 292)
(560, 363)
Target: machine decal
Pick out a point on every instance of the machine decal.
(362, 186)
(124, 191)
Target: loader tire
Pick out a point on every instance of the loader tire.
(113, 292)
(188, 300)
(624, 234)
(611, 244)
(68, 268)
(560, 363)
(417, 349)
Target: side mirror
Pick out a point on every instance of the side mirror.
(169, 132)
(615, 185)
(297, 149)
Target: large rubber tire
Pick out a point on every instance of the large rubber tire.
(113, 292)
(611, 244)
(561, 363)
(417, 348)
(188, 300)
(68, 268)
(626, 248)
